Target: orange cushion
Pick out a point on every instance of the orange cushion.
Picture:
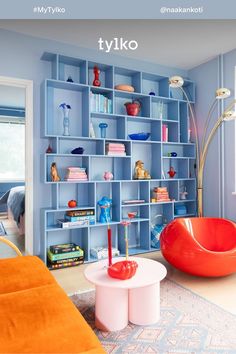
(22, 273)
(44, 320)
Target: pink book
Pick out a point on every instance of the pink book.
(164, 132)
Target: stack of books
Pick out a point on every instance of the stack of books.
(76, 174)
(65, 256)
(100, 103)
(114, 149)
(160, 194)
(75, 218)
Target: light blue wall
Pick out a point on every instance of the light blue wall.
(20, 57)
(219, 176)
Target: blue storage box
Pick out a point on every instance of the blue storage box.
(180, 209)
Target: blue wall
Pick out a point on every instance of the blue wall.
(20, 58)
(219, 176)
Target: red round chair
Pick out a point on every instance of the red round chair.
(200, 246)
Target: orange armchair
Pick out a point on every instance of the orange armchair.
(200, 246)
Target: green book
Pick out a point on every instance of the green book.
(56, 257)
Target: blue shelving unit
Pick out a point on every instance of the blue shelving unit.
(166, 107)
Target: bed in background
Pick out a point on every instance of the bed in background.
(15, 200)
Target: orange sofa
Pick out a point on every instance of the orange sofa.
(36, 316)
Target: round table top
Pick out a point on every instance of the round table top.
(148, 272)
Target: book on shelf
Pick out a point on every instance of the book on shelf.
(65, 224)
(116, 153)
(82, 212)
(100, 103)
(90, 218)
(133, 201)
(73, 259)
(67, 255)
(64, 265)
(64, 247)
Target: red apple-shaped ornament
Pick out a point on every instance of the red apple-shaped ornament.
(72, 203)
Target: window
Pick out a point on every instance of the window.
(12, 149)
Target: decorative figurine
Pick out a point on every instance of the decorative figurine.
(66, 123)
(152, 93)
(108, 176)
(96, 81)
(72, 203)
(172, 154)
(183, 195)
(103, 127)
(105, 205)
(171, 172)
(133, 108)
(78, 151)
(54, 173)
(140, 172)
(49, 149)
(69, 79)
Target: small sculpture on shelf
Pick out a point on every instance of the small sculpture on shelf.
(172, 154)
(49, 149)
(105, 205)
(103, 128)
(152, 93)
(66, 122)
(108, 176)
(96, 81)
(183, 194)
(140, 172)
(69, 79)
(78, 151)
(54, 173)
(172, 172)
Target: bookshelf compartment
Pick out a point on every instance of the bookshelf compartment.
(146, 126)
(164, 109)
(83, 193)
(77, 96)
(181, 166)
(90, 146)
(74, 68)
(138, 235)
(105, 76)
(134, 190)
(171, 185)
(101, 100)
(190, 208)
(164, 209)
(128, 77)
(116, 125)
(98, 238)
(63, 162)
(155, 83)
(186, 150)
(110, 190)
(172, 134)
(190, 187)
(118, 166)
(122, 97)
(185, 129)
(149, 154)
(141, 210)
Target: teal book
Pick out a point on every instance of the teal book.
(56, 257)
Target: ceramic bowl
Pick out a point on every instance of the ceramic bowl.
(127, 88)
(139, 136)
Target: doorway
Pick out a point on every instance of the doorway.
(16, 163)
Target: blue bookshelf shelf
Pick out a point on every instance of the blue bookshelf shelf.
(167, 108)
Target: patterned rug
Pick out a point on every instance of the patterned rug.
(2, 229)
(189, 324)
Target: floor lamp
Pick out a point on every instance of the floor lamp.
(201, 154)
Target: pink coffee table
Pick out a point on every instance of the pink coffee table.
(119, 301)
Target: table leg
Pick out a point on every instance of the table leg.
(144, 305)
(111, 308)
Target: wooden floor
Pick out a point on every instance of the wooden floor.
(13, 236)
(220, 291)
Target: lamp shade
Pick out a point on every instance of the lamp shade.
(176, 81)
(222, 93)
(229, 115)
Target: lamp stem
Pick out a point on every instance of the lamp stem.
(194, 125)
(204, 155)
(211, 110)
